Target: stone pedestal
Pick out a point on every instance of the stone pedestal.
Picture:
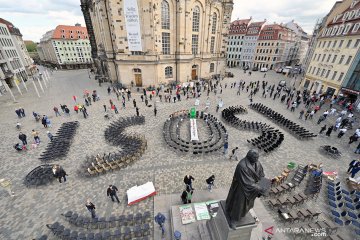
(219, 227)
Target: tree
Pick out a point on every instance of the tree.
(30, 46)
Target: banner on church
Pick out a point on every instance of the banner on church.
(132, 22)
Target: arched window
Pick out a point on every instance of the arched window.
(196, 19)
(165, 15)
(214, 22)
(168, 72)
(212, 67)
(137, 70)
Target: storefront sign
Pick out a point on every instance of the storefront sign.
(347, 90)
(132, 21)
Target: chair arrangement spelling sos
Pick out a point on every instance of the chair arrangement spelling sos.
(133, 146)
(215, 141)
(124, 227)
(40, 175)
(270, 138)
(294, 128)
(60, 145)
(332, 151)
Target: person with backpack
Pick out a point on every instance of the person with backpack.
(186, 196)
(210, 182)
(111, 191)
(91, 208)
(233, 153)
(160, 219)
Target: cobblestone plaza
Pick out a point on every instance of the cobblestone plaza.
(25, 215)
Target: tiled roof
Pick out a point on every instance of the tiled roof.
(241, 21)
(12, 29)
(70, 32)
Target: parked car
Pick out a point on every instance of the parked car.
(264, 69)
(255, 69)
(279, 70)
(229, 74)
(287, 70)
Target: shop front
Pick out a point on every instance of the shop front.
(349, 96)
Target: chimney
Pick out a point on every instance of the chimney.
(77, 25)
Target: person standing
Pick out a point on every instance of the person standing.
(22, 112)
(84, 111)
(91, 208)
(35, 134)
(352, 164)
(160, 219)
(104, 107)
(301, 113)
(56, 110)
(357, 150)
(328, 132)
(226, 147)
(234, 153)
(188, 181)
(134, 102)
(115, 109)
(210, 182)
(109, 90)
(186, 196)
(111, 192)
(43, 121)
(155, 110)
(137, 111)
(355, 169)
(18, 113)
(50, 136)
(342, 132)
(322, 129)
(23, 137)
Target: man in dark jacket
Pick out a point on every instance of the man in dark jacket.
(111, 191)
(22, 137)
(210, 182)
(188, 181)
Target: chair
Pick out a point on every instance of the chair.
(146, 229)
(335, 213)
(74, 235)
(338, 221)
(112, 222)
(355, 223)
(106, 235)
(137, 231)
(350, 206)
(352, 215)
(130, 219)
(332, 204)
(81, 236)
(138, 218)
(121, 220)
(65, 234)
(98, 236)
(127, 234)
(90, 236)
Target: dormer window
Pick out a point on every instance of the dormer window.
(62, 30)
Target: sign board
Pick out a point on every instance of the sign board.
(201, 211)
(187, 214)
(132, 22)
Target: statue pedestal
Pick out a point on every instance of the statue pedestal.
(219, 227)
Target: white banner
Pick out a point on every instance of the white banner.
(193, 130)
(132, 25)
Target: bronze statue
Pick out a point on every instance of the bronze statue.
(245, 187)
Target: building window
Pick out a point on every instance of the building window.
(357, 43)
(137, 70)
(334, 44)
(212, 67)
(323, 72)
(168, 72)
(166, 43)
(310, 69)
(328, 59)
(328, 45)
(165, 15)
(334, 59)
(341, 59)
(334, 75)
(327, 74)
(323, 58)
(348, 60)
(348, 44)
(341, 76)
(214, 22)
(196, 19)
(314, 57)
(194, 44)
(317, 72)
(341, 43)
(212, 44)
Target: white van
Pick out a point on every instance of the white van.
(287, 70)
(264, 69)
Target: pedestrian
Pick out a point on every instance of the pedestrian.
(301, 113)
(91, 207)
(355, 169)
(50, 136)
(74, 98)
(48, 122)
(22, 112)
(43, 121)
(76, 108)
(111, 192)
(67, 111)
(142, 98)
(62, 107)
(357, 150)
(134, 102)
(186, 196)
(23, 137)
(35, 134)
(342, 132)
(155, 110)
(226, 146)
(210, 182)
(56, 110)
(321, 118)
(17, 111)
(59, 173)
(326, 113)
(322, 129)
(104, 107)
(160, 219)
(115, 109)
(108, 90)
(84, 111)
(188, 179)
(293, 106)
(146, 101)
(352, 164)
(234, 153)
(353, 138)
(328, 132)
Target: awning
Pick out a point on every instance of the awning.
(351, 91)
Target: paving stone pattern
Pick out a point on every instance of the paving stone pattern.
(25, 216)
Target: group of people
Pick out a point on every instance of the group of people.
(20, 112)
(187, 194)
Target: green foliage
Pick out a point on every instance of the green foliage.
(31, 46)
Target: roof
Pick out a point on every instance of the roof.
(256, 24)
(241, 21)
(12, 29)
(239, 26)
(70, 32)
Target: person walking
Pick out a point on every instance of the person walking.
(137, 111)
(111, 192)
(50, 136)
(84, 111)
(301, 113)
(226, 147)
(59, 173)
(160, 219)
(35, 134)
(43, 121)
(234, 153)
(155, 110)
(91, 208)
(67, 111)
(357, 150)
(352, 164)
(109, 90)
(210, 182)
(188, 181)
(56, 110)
(104, 107)
(328, 132)
(134, 102)
(22, 112)
(322, 129)
(23, 137)
(186, 196)
(18, 113)
(342, 132)
(355, 169)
